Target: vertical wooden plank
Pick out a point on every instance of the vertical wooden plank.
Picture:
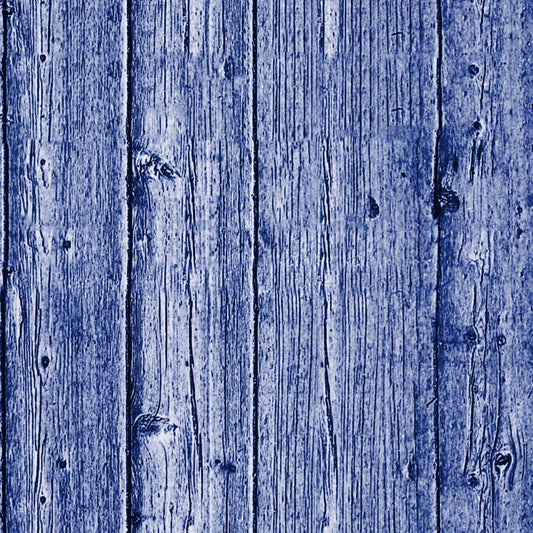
(347, 265)
(192, 262)
(3, 226)
(65, 323)
(486, 318)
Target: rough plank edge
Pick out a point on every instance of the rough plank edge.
(255, 262)
(436, 215)
(6, 12)
(129, 262)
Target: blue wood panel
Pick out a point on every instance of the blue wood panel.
(347, 266)
(64, 326)
(192, 236)
(485, 283)
(266, 265)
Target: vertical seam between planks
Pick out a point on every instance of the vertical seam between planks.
(5, 270)
(437, 215)
(255, 361)
(129, 187)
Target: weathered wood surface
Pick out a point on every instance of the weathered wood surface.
(485, 281)
(4, 256)
(347, 115)
(192, 263)
(266, 266)
(65, 285)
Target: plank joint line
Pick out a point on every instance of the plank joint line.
(436, 214)
(255, 362)
(129, 188)
(5, 269)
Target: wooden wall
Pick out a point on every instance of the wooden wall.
(267, 266)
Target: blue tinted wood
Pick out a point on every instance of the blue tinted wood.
(485, 288)
(266, 266)
(65, 326)
(347, 266)
(192, 266)
(4, 172)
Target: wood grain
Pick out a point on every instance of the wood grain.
(266, 266)
(347, 266)
(192, 266)
(65, 288)
(485, 313)
(4, 226)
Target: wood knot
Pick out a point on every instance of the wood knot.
(447, 202)
(471, 334)
(503, 466)
(473, 480)
(228, 467)
(153, 425)
(152, 167)
(502, 460)
(373, 207)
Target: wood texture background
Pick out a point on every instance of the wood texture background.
(266, 266)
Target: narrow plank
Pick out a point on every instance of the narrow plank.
(65, 320)
(347, 266)
(486, 318)
(4, 257)
(192, 266)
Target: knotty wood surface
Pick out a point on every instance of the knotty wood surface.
(347, 258)
(192, 242)
(485, 313)
(64, 335)
(266, 266)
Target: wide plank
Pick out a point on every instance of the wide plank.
(65, 281)
(191, 292)
(347, 264)
(485, 202)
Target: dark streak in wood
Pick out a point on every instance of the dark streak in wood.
(5, 265)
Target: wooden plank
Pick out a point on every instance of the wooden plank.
(347, 266)
(65, 323)
(4, 256)
(486, 288)
(192, 266)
